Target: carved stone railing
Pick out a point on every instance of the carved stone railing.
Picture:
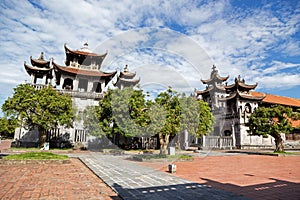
(37, 86)
(77, 94)
(72, 93)
(217, 142)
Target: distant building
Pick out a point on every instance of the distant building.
(232, 105)
(126, 79)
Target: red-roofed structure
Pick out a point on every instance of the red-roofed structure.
(232, 105)
(280, 100)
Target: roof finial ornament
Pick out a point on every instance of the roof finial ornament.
(41, 56)
(214, 68)
(126, 68)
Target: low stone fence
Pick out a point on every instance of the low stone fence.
(217, 142)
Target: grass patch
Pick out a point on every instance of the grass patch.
(24, 148)
(162, 156)
(36, 156)
(281, 152)
(36, 149)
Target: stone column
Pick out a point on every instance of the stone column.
(233, 135)
(32, 77)
(75, 84)
(61, 82)
(44, 79)
(89, 86)
(102, 86)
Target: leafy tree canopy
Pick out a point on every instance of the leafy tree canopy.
(7, 127)
(127, 112)
(272, 121)
(44, 108)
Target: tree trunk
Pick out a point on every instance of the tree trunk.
(43, 136)
(164, 141)
(278, 143)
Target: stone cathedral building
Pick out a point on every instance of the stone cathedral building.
(82, 78)
(232, 104)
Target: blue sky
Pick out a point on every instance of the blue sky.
(166, 43)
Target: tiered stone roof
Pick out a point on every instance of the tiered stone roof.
(84, 56)
(126, 79)
(39, 67)
(214, 77)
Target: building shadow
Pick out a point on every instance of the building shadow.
(188, 191)
(277, 189)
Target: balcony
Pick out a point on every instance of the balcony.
(72, 93)
(83, 95)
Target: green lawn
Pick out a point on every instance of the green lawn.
(35, 156)
(162, 156)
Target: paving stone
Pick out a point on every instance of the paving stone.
(133, 181)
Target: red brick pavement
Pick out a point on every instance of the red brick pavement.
(252, 176)
(4, 144)
(52, 181)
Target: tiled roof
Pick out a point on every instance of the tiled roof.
(274, 99)
(295, 123)
(83, 72)
(78, 52)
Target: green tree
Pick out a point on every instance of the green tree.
(272, 121)
(7, 127)
(128, 113)
(170, 102)
(195, 116)
(91, 121)
(183, 113)
(44, 108)
(125, 112)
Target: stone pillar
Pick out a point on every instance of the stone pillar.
(89, 86)
(75, 84)
(102, 86)
(61, 82)
(44, 79)
(185, 139)
(32, 77)
(233, 135)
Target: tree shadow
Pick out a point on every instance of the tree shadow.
(277, 189)
(177, 191)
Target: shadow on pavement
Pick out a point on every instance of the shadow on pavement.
(277, 189)
(188, 191)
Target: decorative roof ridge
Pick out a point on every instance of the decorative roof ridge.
(39, 61)
(241, 82)
(250, 96)
(203, 91)
(231, 96)
(35, 68)
(129, 80)
(68, 50)
(214, 75)
(83, 71)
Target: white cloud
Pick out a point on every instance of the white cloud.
(238, 40)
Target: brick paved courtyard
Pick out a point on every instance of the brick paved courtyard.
(252, 176)
(52, 181)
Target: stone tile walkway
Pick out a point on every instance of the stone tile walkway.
(52, 181)
(133, 181)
